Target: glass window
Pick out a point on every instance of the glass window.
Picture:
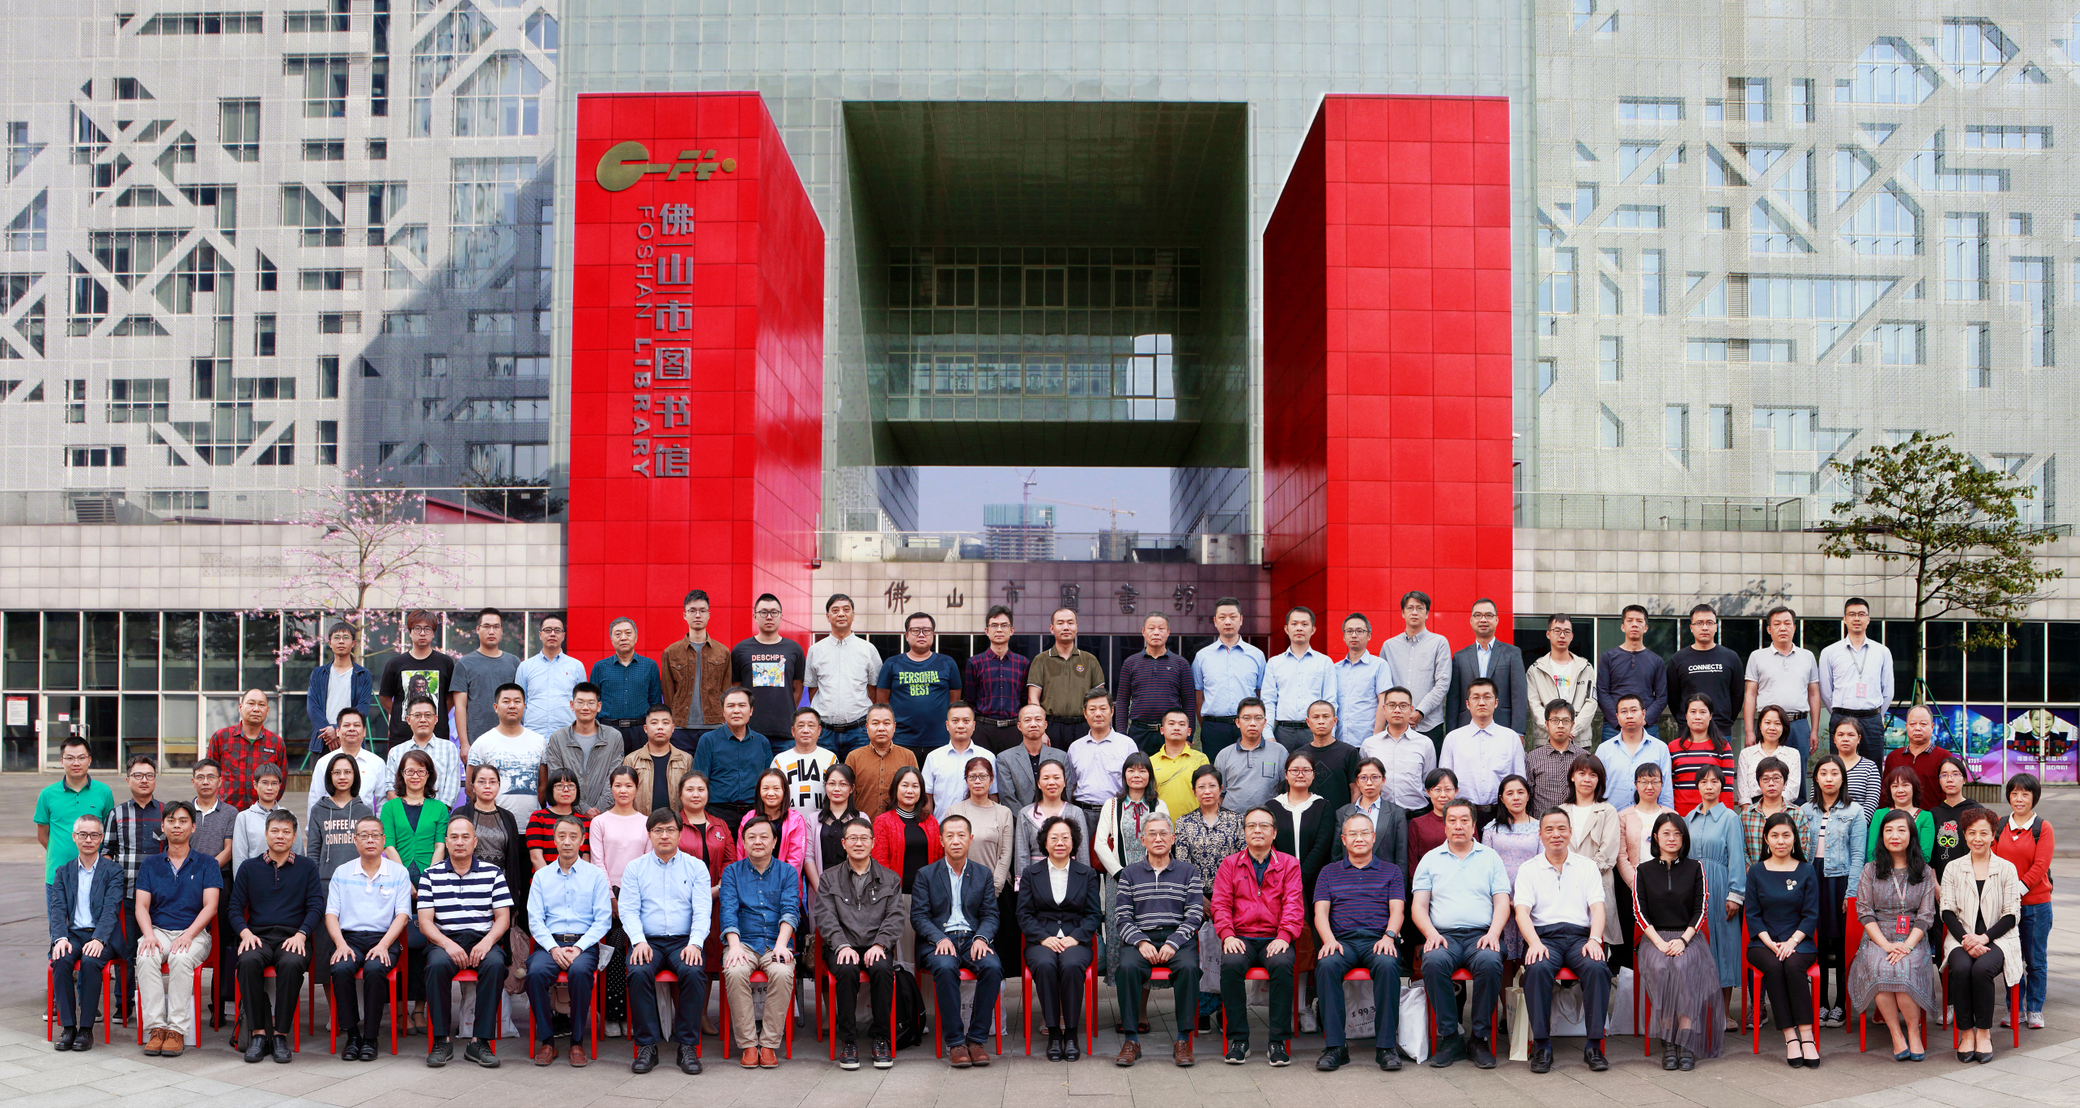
(141, 650)
(298, 664)
(263, 638)
(220, 651)
(1945, 660)
(179, 731)
(140, 726)
(2026, 663)
(2062, 668)
(20, 651)
(101, 654)
(61, 650)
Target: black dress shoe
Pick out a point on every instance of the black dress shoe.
(1687, 1060)
(1542, 1058)
(1333, 1058)
(64, 1040)
(1054, 1045)
(350, 1048)
(1592, 1053)
(1072, 1045)
(689, 1059)
(83, 1041)
(1388, 1058)
(1483, 1055)
(282, 1053)
(646, 1058)
(1668, 1056)
(368, 1050)
(256, 1048)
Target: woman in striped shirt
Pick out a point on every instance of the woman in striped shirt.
(1865, 776)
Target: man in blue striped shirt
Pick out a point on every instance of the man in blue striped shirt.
(464, 909)
(1225, 672)
(1358, 903)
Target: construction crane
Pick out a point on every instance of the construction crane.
(1115, 511)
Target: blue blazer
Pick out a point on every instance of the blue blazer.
(931, 901)
(321, 683)
(61, 897)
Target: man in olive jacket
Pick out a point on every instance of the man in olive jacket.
(859, 913)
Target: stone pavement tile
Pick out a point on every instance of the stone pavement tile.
(2043, 1069)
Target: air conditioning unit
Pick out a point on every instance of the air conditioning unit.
(1222, 550)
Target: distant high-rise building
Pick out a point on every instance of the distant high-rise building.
(1019, 532)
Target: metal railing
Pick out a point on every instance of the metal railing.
(1014, 544)
(22, 507)
(1624, 512)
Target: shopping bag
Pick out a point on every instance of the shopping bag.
(1519, 1024)
(1413, 1032)
(1359, 1019)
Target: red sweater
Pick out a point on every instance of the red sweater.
(2031, 858)
(888, 841)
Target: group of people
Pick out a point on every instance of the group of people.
(969, 826)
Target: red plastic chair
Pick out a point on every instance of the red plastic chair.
(758, 977)
(50, 1002)
(460, 976)
(1751, 989)
(194, 998)
(1494, 1018)
(1261, 974)
(939, 1042)
(592, 1004)
(1090, 1006)
(826, 979)
(664, 977)
(394, 976)
(238, 1006)
(1642, 1004)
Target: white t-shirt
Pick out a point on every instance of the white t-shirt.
(339, 692)
(518, 759)
(805, 774)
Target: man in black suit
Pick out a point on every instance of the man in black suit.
(1495, 660)
(953, 909)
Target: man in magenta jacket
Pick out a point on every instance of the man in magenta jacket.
(1257, 912)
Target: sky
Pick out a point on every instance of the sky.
(950, 498)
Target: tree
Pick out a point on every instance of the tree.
(1948, 525)
(371, 549)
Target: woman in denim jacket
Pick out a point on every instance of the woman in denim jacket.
(1839, 829)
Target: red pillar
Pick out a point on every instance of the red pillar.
(696, 368)
(1387, 373)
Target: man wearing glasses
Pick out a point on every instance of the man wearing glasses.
(82, 900)
(63, 802)
(919, 685)
(1708, 668)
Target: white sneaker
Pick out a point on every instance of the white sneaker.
(2035, 1021)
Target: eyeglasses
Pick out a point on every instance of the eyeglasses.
(978, 777)
(766, 612)
(143, 776)
(86, 834)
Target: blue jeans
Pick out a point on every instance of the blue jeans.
(1800, 737)
(844, 742)
(2036, 935)
(1386, 990)
(541, 977)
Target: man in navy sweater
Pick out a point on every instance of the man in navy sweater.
(277, 904)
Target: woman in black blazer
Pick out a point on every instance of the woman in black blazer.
(1058, 901)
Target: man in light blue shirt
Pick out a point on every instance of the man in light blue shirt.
(1225, 671)
(569, 909)
(1483, 752)
(367, 905)
(665, 904)
(1624, 752)
(1295, 678)
(550, 678)
(1362, 681)
(1461, 901)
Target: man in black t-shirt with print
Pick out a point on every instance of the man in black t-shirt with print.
(1708, 668)
(420, 671)
(771, 667)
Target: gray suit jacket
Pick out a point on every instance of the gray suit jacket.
(1015, 785)
(1391, 840)
(1506, 669)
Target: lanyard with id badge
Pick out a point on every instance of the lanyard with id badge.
(1903, 921)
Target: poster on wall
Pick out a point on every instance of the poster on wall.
(1998, 741)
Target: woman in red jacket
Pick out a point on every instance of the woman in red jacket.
(906, 839)
(2026, 841)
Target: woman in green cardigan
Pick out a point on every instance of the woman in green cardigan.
(1902, 789)
(415, 828)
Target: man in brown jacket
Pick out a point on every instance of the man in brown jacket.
(860, 916)
(694, 672)
(657, 753)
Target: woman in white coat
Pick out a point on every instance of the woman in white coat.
(1982, 905)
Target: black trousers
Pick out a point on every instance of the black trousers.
(361, 1008)
(491, 984)
(1148, 737)
(1790, 1001)
(632, 737)
(667, 952)
(1974, 987)
(77, 971)
(1834, 975)
(1133, 976)
(1058, 978)
(1217, 733)
(1292, 734)
(1063, 730)
(1234, 1002)
(992, 734)
(881, 984)
(1564, 951)
(289, 968)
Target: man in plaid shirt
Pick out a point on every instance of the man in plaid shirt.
(994, 681)
(133, 835)
(242, 748)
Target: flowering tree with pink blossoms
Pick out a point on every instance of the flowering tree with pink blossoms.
(372, 554)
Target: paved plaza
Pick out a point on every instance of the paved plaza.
(2045, 1072)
